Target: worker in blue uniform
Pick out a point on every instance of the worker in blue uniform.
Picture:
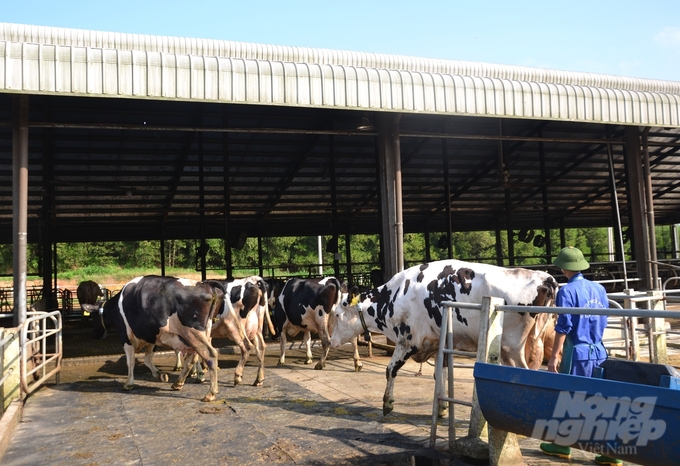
(578, 338)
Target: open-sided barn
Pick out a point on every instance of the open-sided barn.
(110, 136)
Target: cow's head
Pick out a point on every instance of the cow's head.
(102, 316)
(346, 322)
(529, 331)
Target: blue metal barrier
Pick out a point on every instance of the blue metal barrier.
(630, 421)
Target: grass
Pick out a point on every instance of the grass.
(111, 276)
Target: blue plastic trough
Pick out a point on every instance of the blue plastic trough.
(635, 422)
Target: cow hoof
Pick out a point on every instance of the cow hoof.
(209, 397)
(387, 408)
(280, 363)
(443, 412)
(319, 366)
(358, 366)
(177, 386)
(128, 387)
(238, 380)
(199, 380)
(308, 361)
(258, 383)
(163, 377)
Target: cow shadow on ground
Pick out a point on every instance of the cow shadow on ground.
(111, 375)
(365, 445)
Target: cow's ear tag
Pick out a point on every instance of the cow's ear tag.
(355, 301)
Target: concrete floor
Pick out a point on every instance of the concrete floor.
(299, 416)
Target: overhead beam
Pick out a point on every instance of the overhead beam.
(337, 132)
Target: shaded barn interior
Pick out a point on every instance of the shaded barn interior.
(130, 137)
(119, 169)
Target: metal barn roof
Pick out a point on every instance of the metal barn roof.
(134, 136)
(60, 61)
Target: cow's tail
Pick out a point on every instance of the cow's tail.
(270, 324)
(264, 301)
(541, 324)
(237, 320)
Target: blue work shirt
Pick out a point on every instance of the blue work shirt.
(585, 331)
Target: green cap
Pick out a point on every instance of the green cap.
(571, 258)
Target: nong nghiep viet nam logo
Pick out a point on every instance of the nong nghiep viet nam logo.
(581, 418)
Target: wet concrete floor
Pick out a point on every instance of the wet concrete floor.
(299, 416)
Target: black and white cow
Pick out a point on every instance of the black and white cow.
(161, 311)
(88, 292)
(274, 287)
(241, 319)
(305, 305)
(407, 309)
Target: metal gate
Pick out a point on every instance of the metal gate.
(41, 349)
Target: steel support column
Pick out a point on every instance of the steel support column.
(499, 245)
(638, 221)
(649, 212)
(19, 204)
(334, 205)
(503, 173)
(348, 258)
(617, 214)
(229, 269)
(201, 202)
(447, 190)
(46, 223)
(161, 247)
(389, 160)
(546, 204)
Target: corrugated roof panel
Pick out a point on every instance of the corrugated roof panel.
(91, 71)
(230, 49)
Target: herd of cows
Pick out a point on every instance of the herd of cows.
(183, 315)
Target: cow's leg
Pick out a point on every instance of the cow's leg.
(178, 361)
(189, 361)
(130, 358)
(148, 362)
(443, 406)
(260, 348)
(210, 358)
(238, 373)
(357, 362)
(196, 367)
(198, 342)
(307, 338)
(208, 354)
(198, 371)
(325, 347)
(399, 358)
(282, 342)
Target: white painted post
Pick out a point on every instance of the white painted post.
(657, 331)
(489, 351)
(502, 447)
(439, 380)
(634, 351)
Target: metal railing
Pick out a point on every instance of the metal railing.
(7, 367)
(41, 349)
(489, 345)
